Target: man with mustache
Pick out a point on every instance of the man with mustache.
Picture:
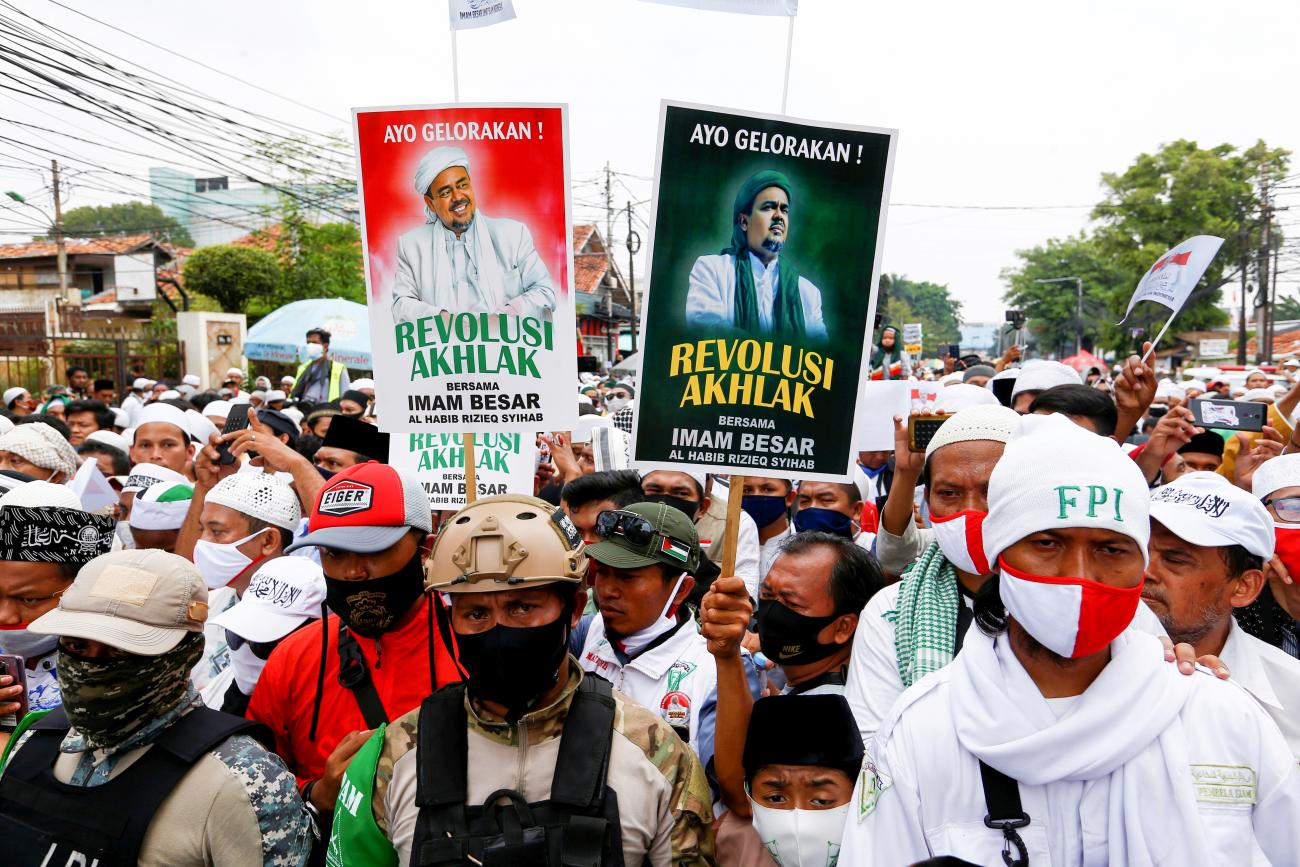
(746, 286)
(461, 261)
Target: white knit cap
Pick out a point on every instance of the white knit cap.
(359, 384)
(953, 398)
(294, 414)
(234, 371)
(989, 422)
(240, 400)
(259, 394)
(1207, 510)
(286, 380)
(1042, 375)
(169, 394)
(142, 383)
(164, 413)
(12, 394)
(121, 418)
(147, 475)
(39, 444)
(274, 395)
(191, 379)
(261, 496)
(5, 425)
(1276, 473)
(1263, 395)
(1197, 384)
(952, 378)
(217, 409)
(109, 438)
(161, 507)
(263, 383)
(1255, 371)
(1055, 474)
(37, 494)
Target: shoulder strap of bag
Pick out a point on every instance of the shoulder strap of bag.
(1002, 799)
(354, 674)
(583, 761)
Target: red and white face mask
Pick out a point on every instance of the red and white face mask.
(961, 538)
(1072, 617)
(1287, 545)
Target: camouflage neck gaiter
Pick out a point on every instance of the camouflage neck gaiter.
(108, 700)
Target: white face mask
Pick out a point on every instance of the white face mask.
(634, 644)
(801, 838)
(218, 563)
(246, 668)
(315, 351)
(614, 404)
(961, 538)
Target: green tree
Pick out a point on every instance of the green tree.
(902, 300)
(125, 218)
(316, 260)
(1052, 308)
(1160, 200)
(1288, 307)
(231, 275)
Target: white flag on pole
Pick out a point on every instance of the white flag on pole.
(1171, 279)
(788, 8)
(468, 14)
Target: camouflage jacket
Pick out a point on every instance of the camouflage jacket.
(665, 808)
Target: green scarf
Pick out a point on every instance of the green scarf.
(926, 622)
(787, 307)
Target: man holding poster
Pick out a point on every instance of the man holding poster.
(462, 260)
(756, 348)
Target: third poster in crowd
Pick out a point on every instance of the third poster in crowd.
(764, 265)
(466, 232)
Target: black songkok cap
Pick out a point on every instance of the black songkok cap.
(803, 730)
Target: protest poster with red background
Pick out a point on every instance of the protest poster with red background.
(472, 308)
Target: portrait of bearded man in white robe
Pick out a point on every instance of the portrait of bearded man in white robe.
(460, 260)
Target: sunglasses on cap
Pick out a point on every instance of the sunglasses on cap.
(260, 649)
(635, 529)
(1287, 508)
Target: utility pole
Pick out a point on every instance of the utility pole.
(58, 233)
(633, 244)
(1264, 343)
(1243, 235)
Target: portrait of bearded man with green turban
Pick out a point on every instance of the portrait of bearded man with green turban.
(749, 286)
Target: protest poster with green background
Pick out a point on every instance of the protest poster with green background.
(764, 265)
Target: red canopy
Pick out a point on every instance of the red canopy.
(1083, 361)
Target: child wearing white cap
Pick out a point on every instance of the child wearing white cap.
(1112, 755)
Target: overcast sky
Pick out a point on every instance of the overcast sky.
(997, 104)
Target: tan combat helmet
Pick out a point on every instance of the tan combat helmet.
(503, 543)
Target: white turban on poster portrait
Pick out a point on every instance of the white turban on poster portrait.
(460, 260)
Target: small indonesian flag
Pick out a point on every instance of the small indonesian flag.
(675, 549)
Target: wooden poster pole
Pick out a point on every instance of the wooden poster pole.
(729, 538)
(471, 479)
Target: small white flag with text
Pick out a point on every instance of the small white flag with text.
(468, 14)
(788, 8)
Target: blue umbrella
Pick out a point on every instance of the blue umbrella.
(282, 335)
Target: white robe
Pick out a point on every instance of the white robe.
(492, 268)
(711, 295)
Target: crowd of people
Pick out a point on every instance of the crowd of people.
(1063, 631)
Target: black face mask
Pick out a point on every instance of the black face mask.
(371, 607)
(512, 665)
(689, 508)
(790, 638)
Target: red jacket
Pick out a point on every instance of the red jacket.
(285, 695)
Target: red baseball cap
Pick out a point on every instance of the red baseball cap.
(365, 509)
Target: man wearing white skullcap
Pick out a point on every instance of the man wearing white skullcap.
(39, 451)
(1036, 377)
(1061, 711)
(157, 515)
(910, 628)
(462, 261)
(1209, 543)
(163, 437)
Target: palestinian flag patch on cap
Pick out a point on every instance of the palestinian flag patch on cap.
(676, 550)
